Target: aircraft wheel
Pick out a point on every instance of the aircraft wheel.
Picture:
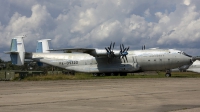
(167, 75)
(112, 74)
(103, 74)
(95, 74)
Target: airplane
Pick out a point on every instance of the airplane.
(104, 61)
(194, 67)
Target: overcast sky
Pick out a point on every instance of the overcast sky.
(95, 23)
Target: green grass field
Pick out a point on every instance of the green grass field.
(83, 76)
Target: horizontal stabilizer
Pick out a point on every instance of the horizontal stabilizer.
(11, 52)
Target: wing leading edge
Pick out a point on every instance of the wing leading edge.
(92, 51)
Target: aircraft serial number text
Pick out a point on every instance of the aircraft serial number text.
(68, 63)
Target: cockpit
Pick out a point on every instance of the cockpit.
(184, 54)
(180, 52)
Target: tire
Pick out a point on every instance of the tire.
(95, 74)
(167, 75)
(112, 74)
(103, 74)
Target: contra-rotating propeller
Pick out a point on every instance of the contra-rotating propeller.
(123, 52)
(109, 50)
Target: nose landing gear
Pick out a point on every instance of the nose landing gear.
(168, 73)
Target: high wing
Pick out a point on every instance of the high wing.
(92, 51)
(107, 52)
(82, 50)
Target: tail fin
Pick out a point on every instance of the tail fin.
(43, 46)
(17, 51)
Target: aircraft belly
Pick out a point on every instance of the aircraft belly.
(105, 68)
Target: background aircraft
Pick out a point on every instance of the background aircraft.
(195, 67)
(104, 61)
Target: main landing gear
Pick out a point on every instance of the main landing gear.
(109, 74)
(168, 73)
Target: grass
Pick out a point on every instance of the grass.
(83, 76)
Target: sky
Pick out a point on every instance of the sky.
(173, 24)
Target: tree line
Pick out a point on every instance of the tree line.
(28, 66)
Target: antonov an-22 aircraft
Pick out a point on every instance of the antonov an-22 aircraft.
(103, 61)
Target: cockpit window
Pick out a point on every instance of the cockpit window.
(186, 54)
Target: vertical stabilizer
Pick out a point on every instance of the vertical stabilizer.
(17, 51)
(43, 46)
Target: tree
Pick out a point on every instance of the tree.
(1, 61)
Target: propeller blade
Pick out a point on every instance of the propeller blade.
(113, 46)
(123, 46)
(120, 48)
(110, 46)
(124, 50)
(127, 49)
(126, 59)
(106, 49)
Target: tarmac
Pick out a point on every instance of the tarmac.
(102, 95)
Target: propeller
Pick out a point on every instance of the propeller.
(123, 52)
(109, 50)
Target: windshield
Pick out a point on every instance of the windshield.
(186, 54)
